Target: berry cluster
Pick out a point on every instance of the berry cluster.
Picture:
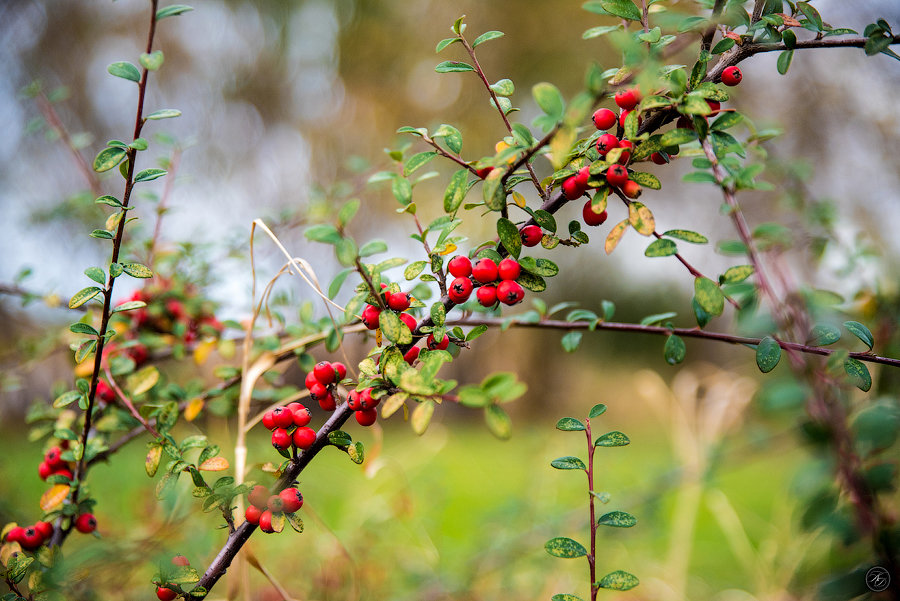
(53, 464)
(30, 537)
(496, 282)
(321, 383)
(289, 427)
(399, 302)
(363, 403)
(265, 506)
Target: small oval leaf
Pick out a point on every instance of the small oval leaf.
(768, 354)
(612, 439)
(568, 463)
(565, 548)
(569, 424)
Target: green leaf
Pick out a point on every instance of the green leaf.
(128, 306)
(532, 282)
(357, 453)
(657, 318)
(824, 334)
(96, 274)
(492, 190)
(597, 410)
(476, 332)
(163, 114)
(784, 61)
(421, 416)
(661, 248)
(509, 236)
(339, 438)
(152, 61)
(108, 158)
(347, 212)
(594, 32)
(687, 236)
(444, 43)
(323, 233)
(110, 201)
(736, 274)
(674, 350)
(337, 282)
(498, 422)
(571, 341)
(453, 67)
(858, 373)
(622, 8)
(861, 332)
(565, 548)
(565, 597)
(768, 354)
(568, 463)
(125, 70)
(569, 424)
(102, 234)
(456, 191)
(373, 247)
(612, 439)
(489, 35)
(346, 251)
(648, 180)
(504, 87)
(173, 10)
(548, 98)
(541, 267)
(617, 519)
(417, 160)
(66, 398)
(545, 220)
(136, 270)
(394, 329)
(402, 190)
(83, 296)
(438, 313)
(83, 328)
(618, 581)
(451, 136)
(414, 269)
(709, 296)
(678, 136)
(148, 175)
(723, 45)
(699, 177)
(85, 349)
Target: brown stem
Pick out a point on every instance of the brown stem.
(53, 120)
(129, 405)
(14, 290)
(453, 157)
(592, 558)
(706, 41)
(370, 284)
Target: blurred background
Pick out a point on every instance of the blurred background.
(287, 109)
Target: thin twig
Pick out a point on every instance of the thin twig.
(127, 402)
(53, 120)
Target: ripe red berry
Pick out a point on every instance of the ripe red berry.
(324, 372)
(366, 400)
(370, 316)
(627, 99)
(732, 76)
(283, 417)
(399, 301)
(714, 105)
(531, 235)
(138, 353)
(45, 529)
(604, 119)
(626, 154)
(275, 504)
(31, 539)
(105, 393)
(460, 266)
(15, 534)
(684, 123)
(311, 380)
(328, 402)
(616, 175)
(268, 420)
(411, 355)
(606, 142)
(180, 560)
(590, 217)
(571, 189)
(487, 296)
(366, 417)
(300, 413)
(258, 496)
(409, 320)
(484, 270)
(304, 438)
(291, 500)
(281, 440)
(318, 391)
(582, 177)
(340, 370)
(353, 400)
(484, 172)
(64, 472)
(631, 189)
(460, 289)
(659, 158)
(439, 346)
(509, 269)
(265, 522)
(44, 470)
(86, 523)
(510, 292)
(164, 593)
(53, 457)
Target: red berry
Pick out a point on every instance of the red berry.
(180, 560)
(582, 177)
(283, 417)
(258, 496)
(487, 296)
(304, 438)
(265, 522)
(484, 171)
(175, 308)
(45, 529)
(300, 414)
(399, 301)
(370, 316)
(460, 266)
(627, 99)
(616, 175)
(437, 346)
(340, 370)
(732, 76)
(44, 470)
(606, 142)
(484, 270)
(353, 400)
(138, 353)
(15, 535)
(604, 119)
(328, 403)
(318, 391)
(86, 523)
(571, 189)
(291, 500)
(509, 269)
(713, 105)
(409, 320)
(366, 417)
(387, 294)
(31, 539)
(311, 380)
(274, 504)
(684, 123)
(366, 400)
(411, 355)
(626, 154)
(105, 393)
(268, 420)
(324, 372)
(590, 217)
(164, 593)
(531, 235)
(510, 292)
(659, 158)
(460, 289)
(65, 472)
(281, 440)
(631, 189)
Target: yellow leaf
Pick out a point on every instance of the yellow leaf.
(393, 403)
(54, 496)
(377, 336)
(449, 249)
(202, 351)
(519, 199)
(500, 146)
(421, 416)
(144, 380)
(85, 368)
(560, 146)
(641, 219)
(7, 551)
(214, 464)
(227, 348)
(615, 235)
(151, 462)
(193, 409)
(112, 222)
